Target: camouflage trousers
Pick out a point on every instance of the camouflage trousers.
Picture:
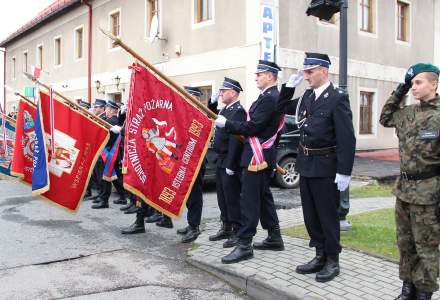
(418, 237)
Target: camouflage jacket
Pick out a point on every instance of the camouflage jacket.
(417, 127)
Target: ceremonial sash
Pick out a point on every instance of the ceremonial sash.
(109, 157)
(257, 162)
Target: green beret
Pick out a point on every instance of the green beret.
(420, 68)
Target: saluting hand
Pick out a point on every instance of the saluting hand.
(295, 79)
(221, 121)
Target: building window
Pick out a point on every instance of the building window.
(115, 25)
(367, 15)
(13, 68)
(40, 57)
(203, 10)
(402, 21)
(152, 10)
(57, 48)
(366, 113)
(25, 62)
(79, 43)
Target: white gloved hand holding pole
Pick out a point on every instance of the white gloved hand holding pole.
(221, 121)
(116, 129)
(342, 181)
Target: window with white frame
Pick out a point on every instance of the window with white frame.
(115, 24)
(367, 14)
(57, 51)
(79, 35)
(203, 10)
(152, 9)
(366, 112)
(40, 57)
(403, 21)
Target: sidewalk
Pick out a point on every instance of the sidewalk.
(271, 275)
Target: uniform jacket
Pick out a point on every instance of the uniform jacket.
(417, 127)
(263, 123)
(113, 121)
(227, 146)
(329, 123)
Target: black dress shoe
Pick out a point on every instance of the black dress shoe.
(99, 205)
(273, 242)
(132, 210)
(421, 295)
(313, 266)
(224, 233)
(154, 218)
(231, 242)
(408, 291)
(165, 222)
(125, 207)
(120, 201)
(242, 251)
(88, 194)
(136, 227)
(183, 230)
(330, 269)
(93, 197)
(191, 234)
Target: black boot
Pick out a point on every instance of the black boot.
(100, 204)
(421, 295)
(93, 197)
(224, 233)
(242, 251)
(330, 269)
(129, 204)
(165, 222)
(191, 235)
(408, 291)
(183, 230)
(154, 218)
(87, 194)
(274, 241)
(132, 210)
(231, 242)
(313, 266)
(121, 200)
(137, 227)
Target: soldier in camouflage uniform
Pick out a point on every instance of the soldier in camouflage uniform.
(418, 188)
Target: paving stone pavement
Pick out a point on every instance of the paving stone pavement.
(271, 274)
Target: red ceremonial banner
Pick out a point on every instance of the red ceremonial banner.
(24, 142)
(166, 139)
(78, 143)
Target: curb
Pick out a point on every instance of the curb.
(254, 285)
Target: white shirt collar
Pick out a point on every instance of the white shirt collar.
(230, 104)
(321, 89)
(268, 88)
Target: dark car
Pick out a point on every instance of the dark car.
(287, 150)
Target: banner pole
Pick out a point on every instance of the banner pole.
(200, 105)
(73, 103)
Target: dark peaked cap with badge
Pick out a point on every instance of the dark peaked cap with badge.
(112, 104)
(231, 84)
(267, 66)
(195, 91)
(314, 60)
(99, 103)
(84, 104)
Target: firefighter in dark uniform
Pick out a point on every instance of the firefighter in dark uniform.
(111, 112)
(95, 180)
(194, 204)
(256, 201)
(228, 148)
(325, 159)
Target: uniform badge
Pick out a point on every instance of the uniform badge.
(326, 95)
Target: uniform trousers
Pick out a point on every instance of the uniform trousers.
(228, 197)
(320, 201)
(256, 203)
(194, 203)
(418, 236)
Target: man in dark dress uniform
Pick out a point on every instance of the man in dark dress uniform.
(228, 148)
(258, 163)
(325, 159)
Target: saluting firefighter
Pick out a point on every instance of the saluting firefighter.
(325, 159)
(257, 162)
(418, 188)
(228, 148)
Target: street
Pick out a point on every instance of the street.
(49, 253)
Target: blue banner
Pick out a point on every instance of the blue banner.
(40, 175)
(6, 156)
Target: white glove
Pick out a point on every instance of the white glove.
(116, 129)
(229, 172)
(295, 79)
(220, 122)
(215, 96)
(342, 181)
(123, 108)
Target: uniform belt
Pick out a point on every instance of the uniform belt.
(317, 151)
(421, 175)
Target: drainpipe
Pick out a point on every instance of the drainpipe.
(89, 54)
